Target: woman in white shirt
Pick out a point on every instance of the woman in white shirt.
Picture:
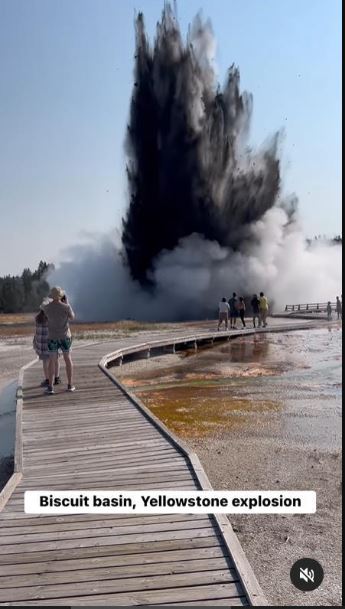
(223, 313)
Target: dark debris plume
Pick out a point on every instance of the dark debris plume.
(189, 168)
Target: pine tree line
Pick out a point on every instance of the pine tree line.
(25, 292)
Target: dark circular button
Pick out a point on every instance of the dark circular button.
(306, 574)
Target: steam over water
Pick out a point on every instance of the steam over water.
(206, 214)
(189, 169)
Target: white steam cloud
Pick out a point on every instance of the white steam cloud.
(191, 279)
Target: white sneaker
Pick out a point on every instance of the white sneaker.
(70, 388)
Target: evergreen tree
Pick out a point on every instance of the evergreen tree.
(24, 292)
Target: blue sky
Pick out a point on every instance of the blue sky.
(65, 85)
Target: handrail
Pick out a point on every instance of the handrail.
(310, 307)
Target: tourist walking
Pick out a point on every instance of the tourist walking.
(255, 303)
(329, 311)
(40, 345)
(263, 310)
(242, 309)
(59, 335)
(233, 310)
(339, 308)
(223, 309)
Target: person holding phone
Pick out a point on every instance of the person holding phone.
(59, 313)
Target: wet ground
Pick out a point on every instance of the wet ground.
(14, 353)
(263, 412)
(8, 419)
(276, 380)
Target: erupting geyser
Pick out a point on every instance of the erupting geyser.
(206, 215)
(189, 169)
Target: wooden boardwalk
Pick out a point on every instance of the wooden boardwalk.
(101, 438)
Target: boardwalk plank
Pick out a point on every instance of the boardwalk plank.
(72, 525)
(113, 539)
(138, 547)
(151, 597)
(145, 475)
(201, 551)
(225, 602)
(115, 586)
(120, 572)
(131, 529)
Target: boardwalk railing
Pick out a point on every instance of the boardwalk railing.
(311, 307)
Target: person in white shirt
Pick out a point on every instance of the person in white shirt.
(223, 313)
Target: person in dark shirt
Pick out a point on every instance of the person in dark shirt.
(339, 308)
(233, 310)
(242, 310)
(255, 302)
